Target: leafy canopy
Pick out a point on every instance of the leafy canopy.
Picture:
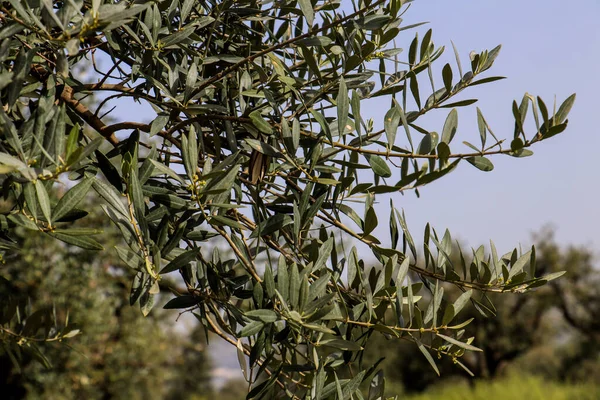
(258, 175)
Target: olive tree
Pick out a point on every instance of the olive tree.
(256, 178)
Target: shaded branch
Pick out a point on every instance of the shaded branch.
(88, 116)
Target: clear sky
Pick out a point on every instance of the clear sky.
(549, 48)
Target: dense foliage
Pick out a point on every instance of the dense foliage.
(257, 175)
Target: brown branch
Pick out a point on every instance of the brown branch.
(207, 117)
(112, 87)
(127, 125)
(120, 88)
(87, 115)
(102, 128)
(95, 122)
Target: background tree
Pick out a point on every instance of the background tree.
(577, 299)
(119, 353)
(245, 180)
(531, 333)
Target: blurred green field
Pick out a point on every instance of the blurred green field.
(513, 388)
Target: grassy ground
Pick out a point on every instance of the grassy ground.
(513, 388)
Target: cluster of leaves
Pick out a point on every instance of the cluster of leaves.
(242, 182)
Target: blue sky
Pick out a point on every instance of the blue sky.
(549, 48)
